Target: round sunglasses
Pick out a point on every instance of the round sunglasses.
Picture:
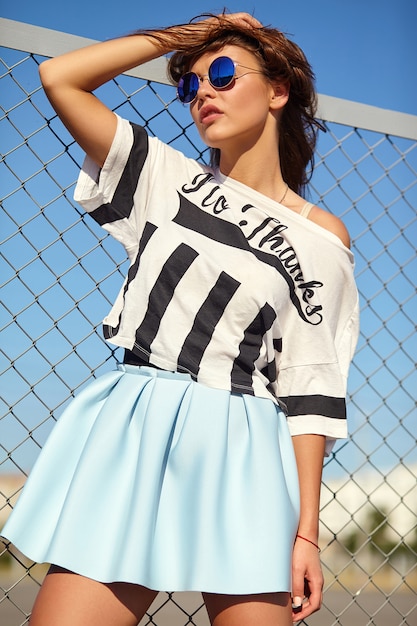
(221, 73)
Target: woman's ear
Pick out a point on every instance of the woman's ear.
(279, 95)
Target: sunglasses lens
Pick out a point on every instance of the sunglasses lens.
(221, 72)
(188, 87)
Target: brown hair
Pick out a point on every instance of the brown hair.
(281, 60)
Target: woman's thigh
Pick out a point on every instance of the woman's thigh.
(266, 609)
(68, 599)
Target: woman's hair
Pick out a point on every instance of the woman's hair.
(281, 61)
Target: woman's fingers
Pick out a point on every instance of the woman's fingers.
(241, 19)
(245, 19)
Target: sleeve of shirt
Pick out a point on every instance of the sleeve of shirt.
(108, 194)
(312, 380)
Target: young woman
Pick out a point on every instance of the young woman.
(197, 464)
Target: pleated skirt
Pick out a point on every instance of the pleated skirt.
(149, 477)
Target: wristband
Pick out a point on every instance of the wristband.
(309, 541)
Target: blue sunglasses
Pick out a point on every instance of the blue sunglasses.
(221, 73)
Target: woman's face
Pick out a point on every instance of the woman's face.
(236, 117)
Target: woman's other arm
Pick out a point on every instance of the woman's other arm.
(309, 452)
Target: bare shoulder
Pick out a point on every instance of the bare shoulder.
(330, 222)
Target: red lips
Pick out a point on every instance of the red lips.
(207, 112)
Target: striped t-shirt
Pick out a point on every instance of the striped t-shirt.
(224, 283)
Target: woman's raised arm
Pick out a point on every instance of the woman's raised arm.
(70, 79)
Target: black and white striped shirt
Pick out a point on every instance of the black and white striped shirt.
(224, 283)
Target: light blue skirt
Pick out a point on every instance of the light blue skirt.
(151, 478)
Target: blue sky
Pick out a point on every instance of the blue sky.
(362, 50)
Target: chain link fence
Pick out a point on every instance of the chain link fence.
(60, 273)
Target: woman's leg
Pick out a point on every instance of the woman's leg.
(263, 609)
(68, 599)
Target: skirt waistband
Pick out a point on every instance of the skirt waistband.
(152, 372)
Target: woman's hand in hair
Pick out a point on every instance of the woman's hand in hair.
(240, 19)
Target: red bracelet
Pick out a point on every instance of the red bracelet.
(309, 541)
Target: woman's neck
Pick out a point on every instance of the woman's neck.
(259, 172)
